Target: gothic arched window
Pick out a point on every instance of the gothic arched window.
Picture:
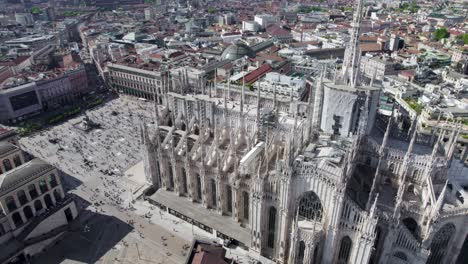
(184, 181)
(213, 193)
(345, 250)
(439, 244)
(169, 174)
(300, 253)
(412, 226)
(271, 226)
(391, 168)
(199, 188)
(310, 207)
(229, 198)
(246, 205)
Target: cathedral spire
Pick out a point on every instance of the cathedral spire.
(413, 136)
(242, 97)
(373, 208)
(258, 105)
(229, 88)
(371, 84)
(375, 182)
(435, 149)
(317, 112)
(387, 133)
(440, 202)
(352, 50)
(225, 99)
(215, 82)
(274, 97)
(362, 126)
(453, 143)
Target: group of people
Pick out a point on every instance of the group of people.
(98, 157)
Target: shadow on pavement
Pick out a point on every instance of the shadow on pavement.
(91, 236)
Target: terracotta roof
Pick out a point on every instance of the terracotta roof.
(368, 38)
(209, 254)
(275, 30)
(369, 47)
(256, 74)
(406, 73)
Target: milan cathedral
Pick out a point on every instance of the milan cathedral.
(325, 180)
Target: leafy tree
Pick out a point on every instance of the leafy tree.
(464, 38)
(411, 7)
(308, 9)
(211, 10)
(441, 33)
(35, 10)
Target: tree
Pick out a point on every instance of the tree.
(464, 38)
(211, 10)
(35, 10)
(441, 33)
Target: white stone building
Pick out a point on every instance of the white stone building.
(34, 208)
(265, 20)
(305, 188)
(281, 84)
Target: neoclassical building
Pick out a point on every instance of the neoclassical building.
(34, 209)
(335, 182)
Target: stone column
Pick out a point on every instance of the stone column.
(41, 198)
(309, 252)
(220, 196)
(32, 208)
(235, 207)
(38, 190)
(22, 157)
(177, 181)
(15, 198)
(331, 235)
(48, 184)
(204, 189)
(51, 194)
(28, 196)
(191, 184)
(293, 245)
(23, 217)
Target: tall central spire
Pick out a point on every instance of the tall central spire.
(352, 50)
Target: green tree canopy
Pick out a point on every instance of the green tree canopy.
(211, 10)
(441, 33)
(464, 38)
(35, 10)
(308, 9)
